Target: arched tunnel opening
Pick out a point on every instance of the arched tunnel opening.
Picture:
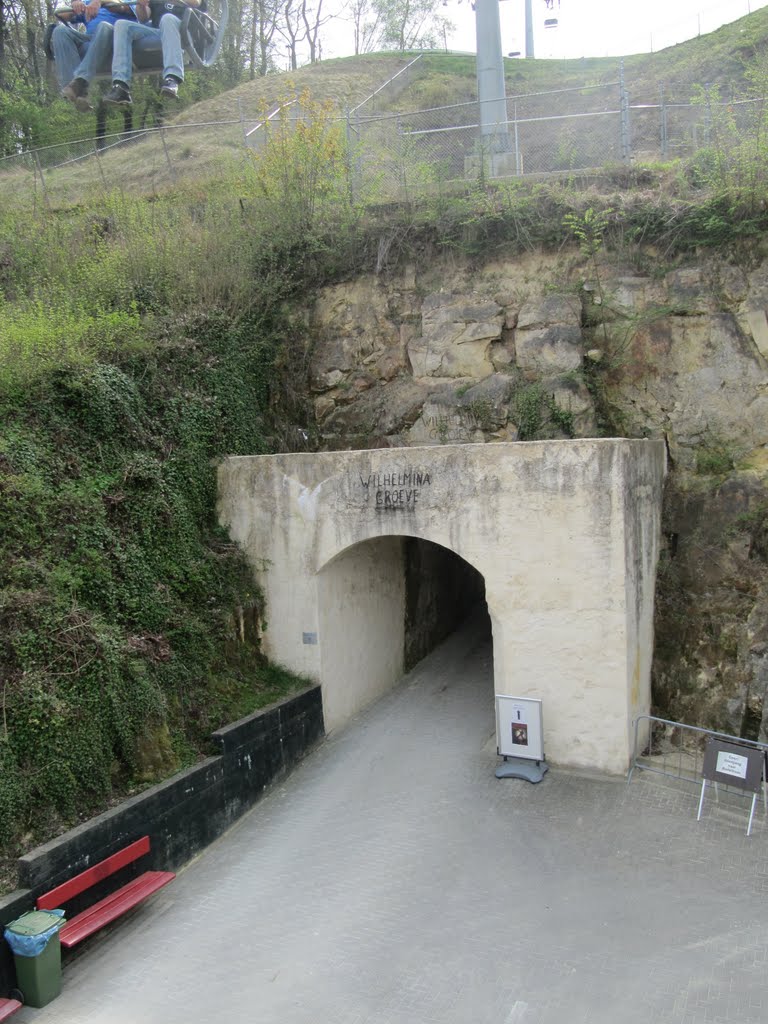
(442, 592)
(384, 605)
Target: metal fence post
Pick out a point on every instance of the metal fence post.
(518, 163)
(708, 116)
(401, 159)
(663, 111)
(103, 176)
(39, 167)
(350, 158)
(165, 150)
(626, 152)
(242, 119)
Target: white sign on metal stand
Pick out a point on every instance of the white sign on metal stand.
(736, 765)
(520, 736)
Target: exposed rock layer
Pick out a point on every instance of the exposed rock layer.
(540, 347)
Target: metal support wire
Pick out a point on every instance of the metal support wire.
(626, 152)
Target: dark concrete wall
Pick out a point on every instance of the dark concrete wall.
(441, 590)
(181, 816)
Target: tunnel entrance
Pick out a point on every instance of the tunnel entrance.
(442, 591)
(384, 604)
(359, 558)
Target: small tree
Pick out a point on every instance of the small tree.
(302, 173)
(410, 24)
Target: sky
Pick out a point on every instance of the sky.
(585, 28)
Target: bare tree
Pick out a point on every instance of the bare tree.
(292, 30)
(367, 24)
(265, 15)
(313, 19)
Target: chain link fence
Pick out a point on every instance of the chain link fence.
(393, 155)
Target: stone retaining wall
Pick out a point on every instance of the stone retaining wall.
(181, 815)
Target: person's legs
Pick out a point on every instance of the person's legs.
(98, 56)
(173, 54)
(69, 47)
(126, 36)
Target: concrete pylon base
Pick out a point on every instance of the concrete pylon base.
(493, 165)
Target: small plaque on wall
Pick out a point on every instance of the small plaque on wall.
(309, 638)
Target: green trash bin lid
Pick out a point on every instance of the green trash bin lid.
(35, 922)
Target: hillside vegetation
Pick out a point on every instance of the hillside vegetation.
(207, 137)
(150, 325)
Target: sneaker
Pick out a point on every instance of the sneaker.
(76, 93)
(170, 87)
(119, 95)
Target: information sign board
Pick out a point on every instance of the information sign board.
(733, 765)
(519, 731)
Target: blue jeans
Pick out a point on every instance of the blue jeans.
(97, 55)
(69, 48)
(146, 39)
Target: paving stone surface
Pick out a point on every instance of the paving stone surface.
(392, 879)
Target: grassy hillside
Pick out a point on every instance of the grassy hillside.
(207, 138)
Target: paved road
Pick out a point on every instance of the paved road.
(391, 879)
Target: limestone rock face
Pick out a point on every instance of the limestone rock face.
(554, 349)
(538, 346)
(548, 310)
(355, 331)
(548, 338)
(712, 603)
(690, 290)
(631, 294)
(443, 421)
(488, 401)
(570, 396)
(697, 379)
(456, 336)
(384, 410)
(465, 353)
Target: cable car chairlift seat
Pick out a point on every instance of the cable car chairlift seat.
(201, 36)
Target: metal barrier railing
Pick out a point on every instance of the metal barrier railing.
(676, 750)
(385, 85)
(270, 117)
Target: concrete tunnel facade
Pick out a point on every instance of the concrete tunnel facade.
(564, 533)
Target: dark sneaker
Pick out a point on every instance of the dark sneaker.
(119, 95)
(170, 88)
(76, 93)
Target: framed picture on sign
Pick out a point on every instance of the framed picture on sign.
(519, 731)
(519, 734)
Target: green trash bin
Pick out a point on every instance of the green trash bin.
(34, 939)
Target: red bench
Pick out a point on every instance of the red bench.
(111, 907)
(7, 1007)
